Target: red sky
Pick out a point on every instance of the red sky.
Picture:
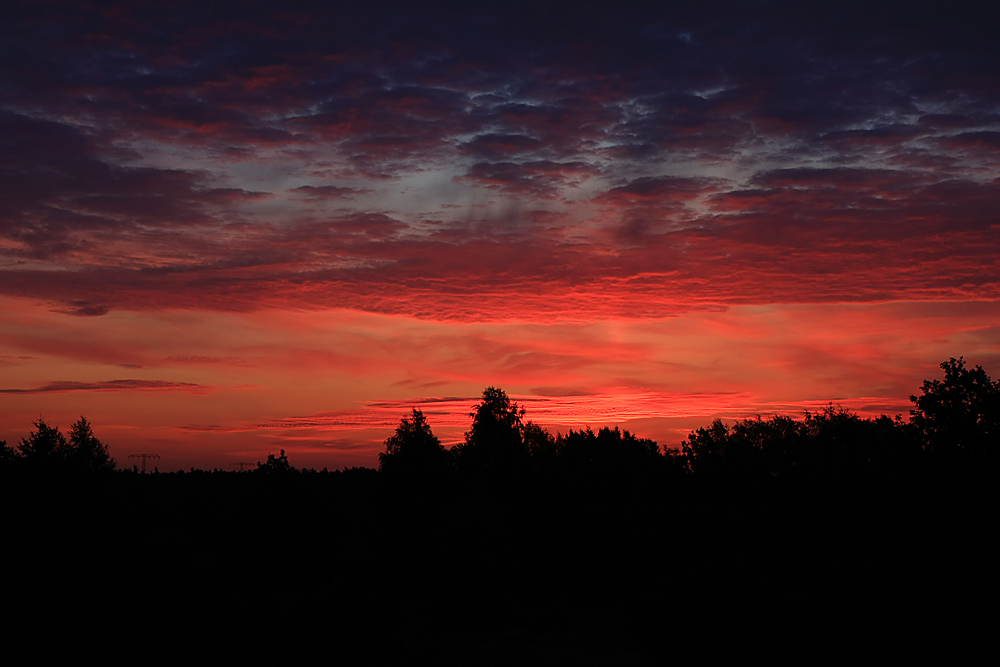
(224, 234)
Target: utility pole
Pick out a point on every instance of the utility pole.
(144, 457)
(242, 464)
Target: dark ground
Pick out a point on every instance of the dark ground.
(349, 567)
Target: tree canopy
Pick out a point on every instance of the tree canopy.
(275, 465)
(414, 449)
(85, 450)
(832, 442)
(495, 443)
(47, 448)
(960, 414)
(608, 451)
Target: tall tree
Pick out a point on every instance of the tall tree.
(45, 446)
(414, 449)
(7, 454)
(960, 413)
(495, 443)
(85, 451)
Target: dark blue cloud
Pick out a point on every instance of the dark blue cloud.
(367, 155)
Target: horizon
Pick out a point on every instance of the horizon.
(234, 230)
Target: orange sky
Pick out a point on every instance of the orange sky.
(207, 388)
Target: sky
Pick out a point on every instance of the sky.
(228, 229)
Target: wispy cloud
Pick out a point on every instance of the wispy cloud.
(575, 411)
(669, 417)
(113, 385)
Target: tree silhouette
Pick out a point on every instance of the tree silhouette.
(495, 444)
(609, 451)
(414, 450)
(960, 414)
(7, 454)
(85, 451)
(47, 448)
(838, 442)
(833, 443)
(275, 465)
(741, 450)
(542, 448)
(44, 447)
(760, 448)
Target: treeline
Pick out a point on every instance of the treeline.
(47, 449)
(955, 422)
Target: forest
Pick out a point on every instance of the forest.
(775, 538)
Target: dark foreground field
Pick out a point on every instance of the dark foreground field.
(351, 567)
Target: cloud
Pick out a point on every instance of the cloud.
(566, 411)
(61, 199)
(637, 206)
(11, 359)
(661, 188)
(62, 386)
(562, 413)
(190, 359)
(459, 166)
(544, 179)
(498, 146)
(327, 192)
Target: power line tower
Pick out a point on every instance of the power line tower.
(143, 457)
(242, 464)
